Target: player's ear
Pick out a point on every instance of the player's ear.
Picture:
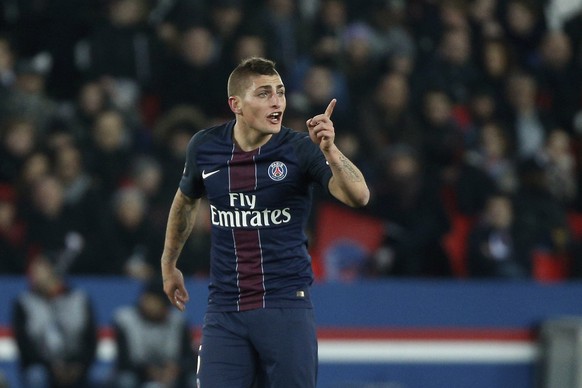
(234, 104)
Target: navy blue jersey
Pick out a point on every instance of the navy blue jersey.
(259, 206)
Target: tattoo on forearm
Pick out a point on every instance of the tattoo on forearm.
(183, 222)
(180, 224)
(348, 168)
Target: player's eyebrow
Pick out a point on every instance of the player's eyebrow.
(269, 87)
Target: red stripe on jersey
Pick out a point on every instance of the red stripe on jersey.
(249, 259)
(242, 170)
(249, 269)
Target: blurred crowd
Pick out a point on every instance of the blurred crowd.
(455, 110)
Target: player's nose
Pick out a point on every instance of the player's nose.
(276, 100)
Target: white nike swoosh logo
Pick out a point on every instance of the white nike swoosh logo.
(207, 174)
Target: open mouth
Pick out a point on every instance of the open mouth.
(275, 117)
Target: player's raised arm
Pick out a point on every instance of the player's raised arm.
(180, 224)
(347, 183)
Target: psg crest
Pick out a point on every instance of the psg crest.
(277, 171)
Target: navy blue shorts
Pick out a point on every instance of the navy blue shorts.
(258, 348)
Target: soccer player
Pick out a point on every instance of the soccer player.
(257, 177)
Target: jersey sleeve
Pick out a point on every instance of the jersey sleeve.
(191, 183)
(314, 162)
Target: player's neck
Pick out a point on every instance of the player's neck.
(248, 139)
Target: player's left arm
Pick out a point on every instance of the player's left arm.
(347, 183)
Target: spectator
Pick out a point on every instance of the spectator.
(285, 32)
(55, 330)
(54, 28)
(170, 18)
(453, 14)
(496, 62)
(526, 122)
(60, 27)
(573, 28)
(78, 187)
(226, 25)
(55, 229)
(325, 46)
(28, 96)
(482, 109)
(493, 156)
(319, 85)
(483, 21)
(13, 251)
(59, 136)
(395, 42)
(493, 249)
(451, 68)
(424, 19)
(146, 174)
(407, 200)
(188, 72)
(35, 167)
(524, 25)
(133, 247)
(560, 82)
(7, 64)
(442, 139)
(154, 343)
(172, 134)
(19, 138)
(361, 60)
(110, 152)
(123, 46)
(330, 20)
(82, 198)
(245, 45)
(386, 117)
(559, 163)
(541, 220)
(91, 100)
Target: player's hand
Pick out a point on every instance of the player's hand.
(174, 287)
(320, 128)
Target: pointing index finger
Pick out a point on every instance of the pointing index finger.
(329, 109)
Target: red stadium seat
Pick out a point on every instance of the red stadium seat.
(455, 243)
(575, 222)
(337, 223)
(550, 267)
